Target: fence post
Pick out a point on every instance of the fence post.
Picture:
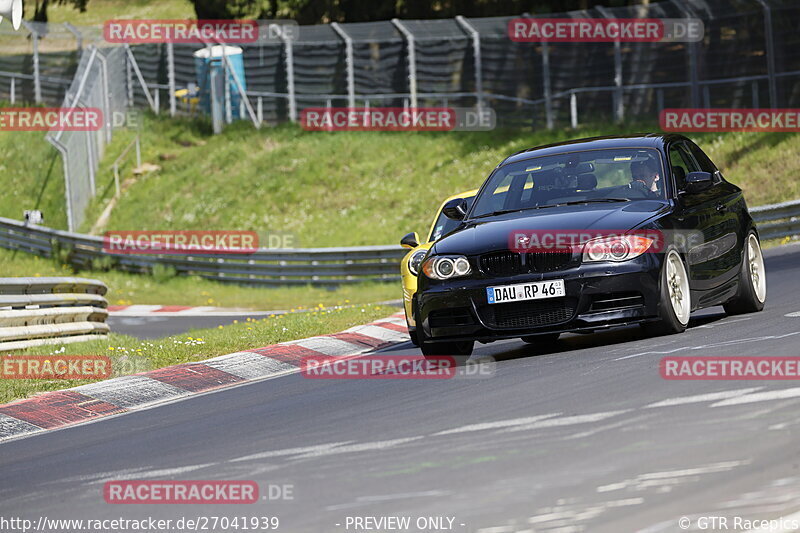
(691, 51)
(106, 97)
(78, 35)
(350, 63)
(67, 188)
(412, 60)
(37, 80)
(768, 35)
(476, 54)
(548, 97)
(138, 72)
(244, 100)
(226, 78)
(290, 77)
(619, 110)
(216, 112)
(173, 104)
(129, 79)
(13, 90)
(573, 110)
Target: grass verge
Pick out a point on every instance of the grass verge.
(130, 355)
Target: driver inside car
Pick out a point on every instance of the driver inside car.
(646, 174)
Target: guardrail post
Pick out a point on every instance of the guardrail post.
(412, 60)
(476, 54)
(350, 64)
(770, 42)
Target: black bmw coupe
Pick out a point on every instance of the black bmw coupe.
(586, 235)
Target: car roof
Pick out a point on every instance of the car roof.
(653, 140)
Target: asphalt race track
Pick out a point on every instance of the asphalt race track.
(587, 437)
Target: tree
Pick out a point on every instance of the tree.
(40, 7)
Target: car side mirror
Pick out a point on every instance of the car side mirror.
(698, 181)
(455, 209)
(410, 241)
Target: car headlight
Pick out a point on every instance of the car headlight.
(617, 248)
(446, 267)
(415, 261)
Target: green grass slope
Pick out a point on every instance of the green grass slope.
(327, 189)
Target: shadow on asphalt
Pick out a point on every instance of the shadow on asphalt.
(579, 341)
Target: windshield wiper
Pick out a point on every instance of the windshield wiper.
(594, 200)
(502, 212)
(574, 202)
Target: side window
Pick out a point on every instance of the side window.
(681, 163)
(702, 159)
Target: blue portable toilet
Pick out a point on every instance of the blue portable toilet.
(210, 59)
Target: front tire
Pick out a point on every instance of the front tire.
(675, 304)
(444, 348)
(752, 280)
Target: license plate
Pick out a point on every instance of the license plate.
(536, 290)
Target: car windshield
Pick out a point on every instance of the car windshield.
(445, 225)
(606, 175)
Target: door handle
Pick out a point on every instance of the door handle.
(722, 208)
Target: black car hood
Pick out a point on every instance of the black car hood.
(492, 233)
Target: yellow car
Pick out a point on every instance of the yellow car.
(409, 266)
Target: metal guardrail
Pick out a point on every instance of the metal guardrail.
(301, 266)
(39, 311)
(777, 221)
(275, 267)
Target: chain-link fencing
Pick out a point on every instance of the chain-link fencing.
(748, 57)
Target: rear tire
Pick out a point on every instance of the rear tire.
(675, 303)
(752, 280)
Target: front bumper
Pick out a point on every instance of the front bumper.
(597, 295)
